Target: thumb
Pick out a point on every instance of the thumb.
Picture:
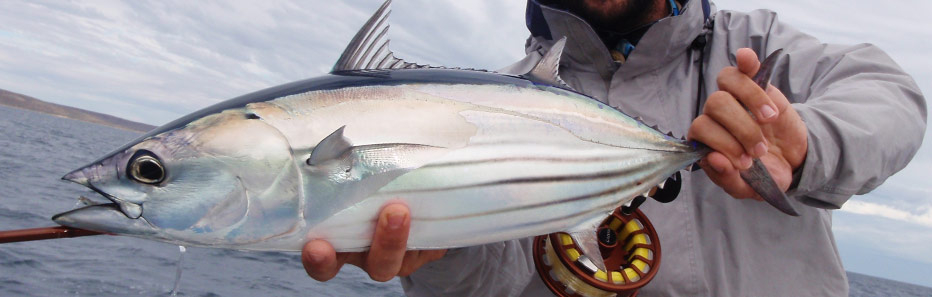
(748, 63)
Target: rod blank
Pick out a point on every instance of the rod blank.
(43, 234)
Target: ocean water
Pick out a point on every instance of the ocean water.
(37, 149)
(868, 286)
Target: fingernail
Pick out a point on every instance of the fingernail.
(760, 149)
(745, 161)
(767, 111)
(317, 258)
(395, 220)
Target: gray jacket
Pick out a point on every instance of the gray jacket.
(865, 117)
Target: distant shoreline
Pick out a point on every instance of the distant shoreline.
(20, 101)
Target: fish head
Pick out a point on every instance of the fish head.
(184, 184)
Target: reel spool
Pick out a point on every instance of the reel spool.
(631, 251)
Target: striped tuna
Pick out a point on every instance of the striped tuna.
(478, 157)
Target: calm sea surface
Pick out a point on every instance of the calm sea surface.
(37, 149)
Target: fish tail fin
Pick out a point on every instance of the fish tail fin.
(760, 180)
(757, 176)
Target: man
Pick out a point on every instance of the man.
(837, 121)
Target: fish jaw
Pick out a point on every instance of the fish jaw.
(105, 218)
(119, 217)
(78, 176)
(84, 177)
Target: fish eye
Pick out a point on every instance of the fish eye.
(146, 168)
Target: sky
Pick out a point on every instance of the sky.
(156, 61)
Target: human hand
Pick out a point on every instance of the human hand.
(774, 132)
(386, 258)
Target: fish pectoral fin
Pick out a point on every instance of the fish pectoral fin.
(547, 70)
(588, 243)
(332, 147)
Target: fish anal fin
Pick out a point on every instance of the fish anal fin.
(588, 243)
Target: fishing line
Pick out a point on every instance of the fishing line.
(174, 291)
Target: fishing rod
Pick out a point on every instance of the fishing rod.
(44, 233)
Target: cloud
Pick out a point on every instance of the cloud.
(897, 237)
(155, 61)
(921, 215)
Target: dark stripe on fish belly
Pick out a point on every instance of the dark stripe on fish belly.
(544, 179)
(525, 159)
(602, 193)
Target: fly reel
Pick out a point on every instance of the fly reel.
(630, 249)
(631, 252)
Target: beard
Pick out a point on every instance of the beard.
(611, 15)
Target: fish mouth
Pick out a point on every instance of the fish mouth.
(129, 209)
(63, 218)
(105, 217)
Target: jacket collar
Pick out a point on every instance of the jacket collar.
(665, 40)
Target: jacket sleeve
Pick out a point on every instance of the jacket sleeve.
(865, 116)
(496, 269)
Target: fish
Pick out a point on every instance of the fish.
(477, 156)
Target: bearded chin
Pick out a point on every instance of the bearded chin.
(624, 16)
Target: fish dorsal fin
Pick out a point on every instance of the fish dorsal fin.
(369, 48)
(333, 146)
(547, 69)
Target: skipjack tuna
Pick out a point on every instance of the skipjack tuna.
(478, 157)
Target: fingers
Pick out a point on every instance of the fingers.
(706, 130)
(742, 87)
(386, 258)
(718, 168)
(415, 259)
(320, 261)
(724, 109)
(748, 62)
(780, 100)
(389, 243)
(410, 263)
(773, 131)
